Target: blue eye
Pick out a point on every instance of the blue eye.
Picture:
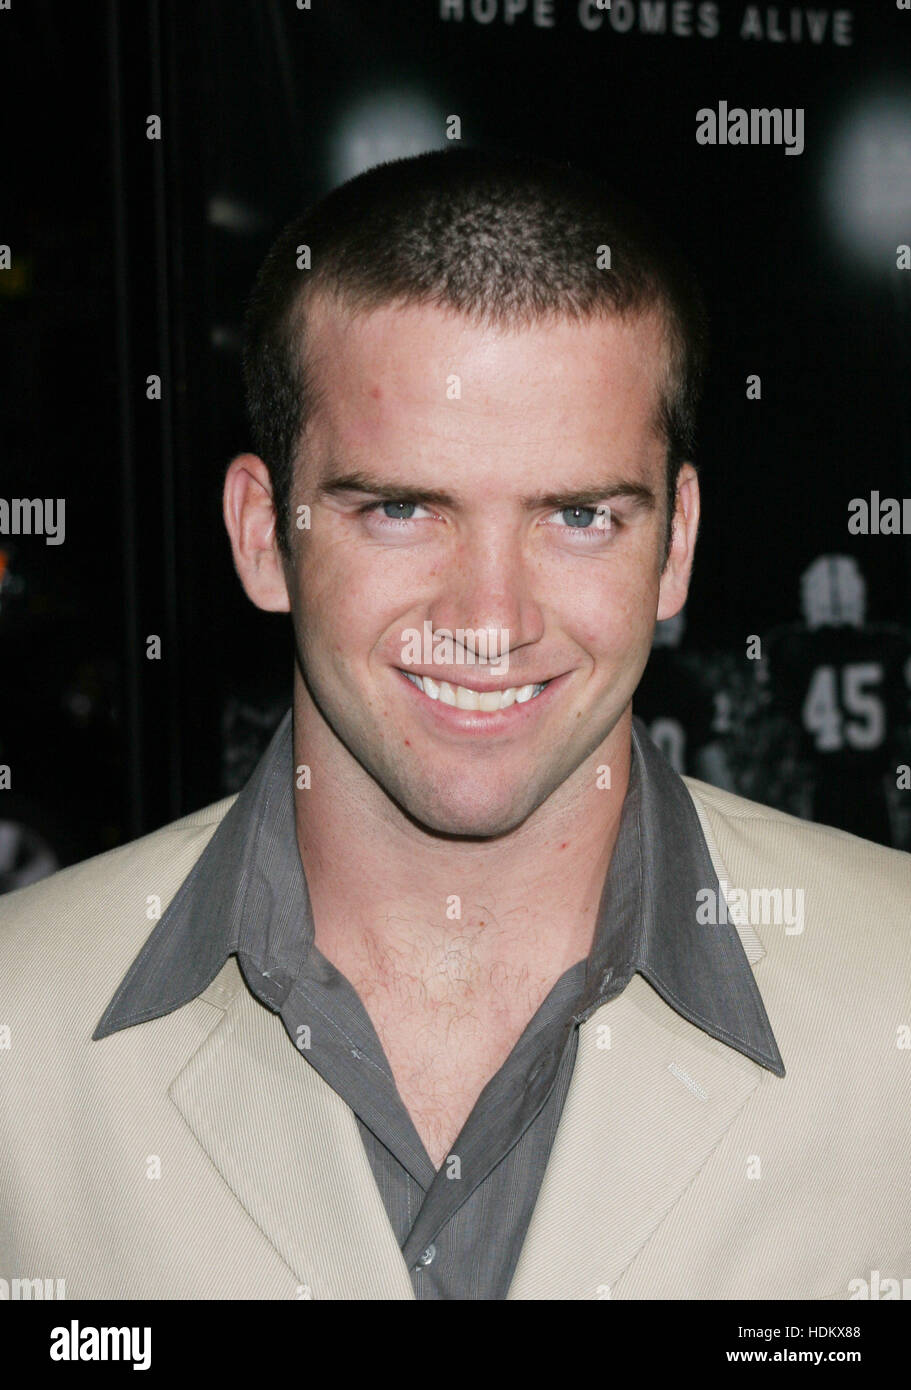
(591, 521)
(394, 510)
(582, 516)
(398, 510)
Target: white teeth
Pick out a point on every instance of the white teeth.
(460, 697)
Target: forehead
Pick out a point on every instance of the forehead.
(404, 367)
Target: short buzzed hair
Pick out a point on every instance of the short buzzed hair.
(507, 240)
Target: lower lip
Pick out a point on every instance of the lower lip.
(475, 722)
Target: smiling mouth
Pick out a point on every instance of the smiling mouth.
(485, 701)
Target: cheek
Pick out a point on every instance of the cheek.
(615, 617)
(328, 587)
(342, 615)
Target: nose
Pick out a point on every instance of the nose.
(487, 586)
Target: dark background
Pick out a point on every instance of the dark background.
(132, 257)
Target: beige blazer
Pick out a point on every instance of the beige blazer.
(199, 1155)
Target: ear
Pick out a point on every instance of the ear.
(675, 580)
(249, 514)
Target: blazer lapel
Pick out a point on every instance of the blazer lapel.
(651, 1099)
(642, 1117)
(291, 1152)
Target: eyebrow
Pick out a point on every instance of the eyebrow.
(390, 491)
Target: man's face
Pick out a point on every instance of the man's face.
(512, 427)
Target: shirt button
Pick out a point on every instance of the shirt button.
(427, 1256)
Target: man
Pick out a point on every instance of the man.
(462, 997)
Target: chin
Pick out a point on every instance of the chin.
(480, 816)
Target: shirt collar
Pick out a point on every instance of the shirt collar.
(247, 896)
(647, 919)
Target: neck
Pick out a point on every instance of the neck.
(393, 899)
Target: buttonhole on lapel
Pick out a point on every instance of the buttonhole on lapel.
(688, 1081)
